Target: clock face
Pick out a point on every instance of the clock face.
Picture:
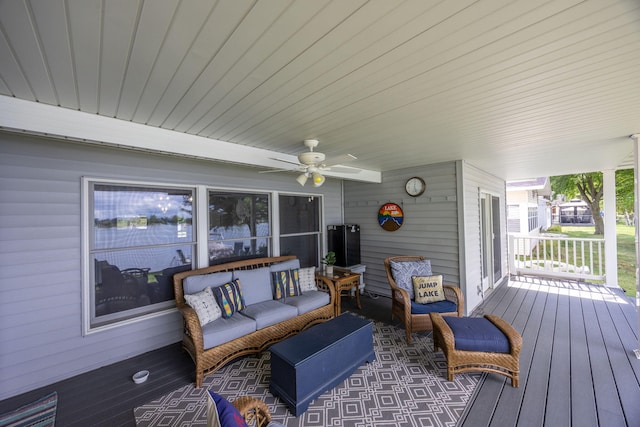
(415, 186)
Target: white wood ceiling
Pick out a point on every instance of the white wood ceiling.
(519, 88)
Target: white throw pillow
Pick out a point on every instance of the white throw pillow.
(205, 305)
(403, 271)
(307, 278)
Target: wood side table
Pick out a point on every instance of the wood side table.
(343, 281)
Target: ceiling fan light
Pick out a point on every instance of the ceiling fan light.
(302, 179)
(318, 179)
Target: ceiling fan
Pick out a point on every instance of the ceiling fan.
(312, 163)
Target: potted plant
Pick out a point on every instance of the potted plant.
(328, 260)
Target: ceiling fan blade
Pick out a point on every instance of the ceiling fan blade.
(338, 160)
(340, 169)
(287, 161)
(277, 170)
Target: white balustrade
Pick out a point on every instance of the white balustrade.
(555, 256)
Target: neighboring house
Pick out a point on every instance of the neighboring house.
(573, 212)
(528, 206)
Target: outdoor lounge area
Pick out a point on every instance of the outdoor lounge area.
(577, 364)
(142, 140)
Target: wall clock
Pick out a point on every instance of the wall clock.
(415, 186)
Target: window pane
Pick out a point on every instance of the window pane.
(299, 214)
(305, 247)
(136, 279)
(141, 236)
(137, 216)
(238, 226)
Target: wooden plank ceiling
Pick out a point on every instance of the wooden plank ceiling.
(519, 88)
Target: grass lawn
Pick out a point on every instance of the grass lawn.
(626, 252)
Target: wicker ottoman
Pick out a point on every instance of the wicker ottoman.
(486, 344)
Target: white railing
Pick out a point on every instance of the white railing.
(554, 256)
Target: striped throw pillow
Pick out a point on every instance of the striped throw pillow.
(286, 283)
(230, 298)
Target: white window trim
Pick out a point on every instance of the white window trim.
(85, 246)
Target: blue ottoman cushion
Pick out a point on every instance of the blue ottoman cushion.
(445, 306)
(477, 334)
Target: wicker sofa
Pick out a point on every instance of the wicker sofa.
(262, 323)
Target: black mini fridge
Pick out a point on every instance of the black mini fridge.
(344, 240)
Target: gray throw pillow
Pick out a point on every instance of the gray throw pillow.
(402, 272)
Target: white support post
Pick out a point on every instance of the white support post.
(636, 210)
(610, 238)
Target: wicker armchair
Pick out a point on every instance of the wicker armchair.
(401, 302)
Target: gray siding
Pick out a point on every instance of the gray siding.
(430, 225)
(473, 181)
(40, 252)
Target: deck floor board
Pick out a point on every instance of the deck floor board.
(577, 364)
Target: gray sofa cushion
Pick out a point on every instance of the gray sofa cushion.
(223, 330)
(308, 301)
(193, 284)
(255, 284)
(269, 313)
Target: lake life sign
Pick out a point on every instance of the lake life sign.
(390, 216)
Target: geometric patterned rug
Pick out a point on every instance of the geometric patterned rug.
(405, 386)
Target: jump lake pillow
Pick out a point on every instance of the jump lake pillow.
(230, 298)
(428, 289)
(307, 278)
(403, 271)
(205, 305)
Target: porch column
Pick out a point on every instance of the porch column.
(610, 238)
(636, 208)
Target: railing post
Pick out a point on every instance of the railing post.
(512, 257)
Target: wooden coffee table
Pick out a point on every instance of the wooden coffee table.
(344, 281)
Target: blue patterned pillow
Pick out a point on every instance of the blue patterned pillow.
(286, 283)
(292, 287)
(402, 271)
(229, 297)
(228, 415)
(277, 285)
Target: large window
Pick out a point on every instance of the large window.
(238, 226)
(300, 228)
(139, 236)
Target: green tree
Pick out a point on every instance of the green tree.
(625, 192)
(586, 185)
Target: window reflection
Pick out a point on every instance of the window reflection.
(238, 226)
(141, 236)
